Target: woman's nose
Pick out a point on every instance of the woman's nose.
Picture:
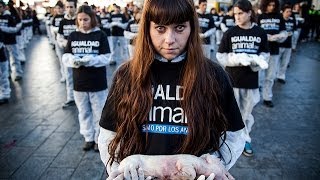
(170, 37)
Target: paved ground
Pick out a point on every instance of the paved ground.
(39, 140)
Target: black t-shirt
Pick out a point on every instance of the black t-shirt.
(8, 21)
(272, 23)
(216, 18)
(57, 19)
(66, 27)
(105, 20)
(228, 21)
(296, 16)
(2, 53)
(166, 123)
(115, 30)
(290, 28)
(205, 22)
(88, 79)
(249, 41)
(133, 27)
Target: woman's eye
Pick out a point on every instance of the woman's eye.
(180, 28)
(160, 28)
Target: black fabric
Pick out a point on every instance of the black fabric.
(105, 20)
(88, 79)
(115, 30)
(272, 23)
(3, 57)
(228, 21)
(249, 41)
(206, 22)
(295, 16)
(8, 21)
(133, 27)
(56, 20)
(66, 27)
(290, 28)
(166, 124)
(216, 18)
(2, 50)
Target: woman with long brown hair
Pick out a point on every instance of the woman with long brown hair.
(169, 99)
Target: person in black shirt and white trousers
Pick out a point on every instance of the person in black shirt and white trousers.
(87, 52)
(243, 52)
(206, 23)
(285, 47)
(169, 101)
(272, 22)
(66, 27)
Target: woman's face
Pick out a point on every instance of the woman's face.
(242, 18)
(84, 21)
(271, 6)
(170, 40)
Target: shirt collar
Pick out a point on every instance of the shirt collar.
(179, 58)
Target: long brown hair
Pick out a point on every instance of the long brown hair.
(132, 89)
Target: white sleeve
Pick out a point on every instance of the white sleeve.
(223, 27)
(97, 61)
(104, 139)
(233, 59)
(9, 29)
(260, 61)
(222, 58)
(129, 35)
(62, 42)
(231, 149)
(69, 60)
(107, 25)
(209, 32)
(282, 36)
(55, 29)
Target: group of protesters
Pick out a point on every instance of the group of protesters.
(254, 48)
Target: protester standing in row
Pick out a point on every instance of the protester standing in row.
(272, 22)
(5, 89)
(87, 52)
(207, 27)
(118, 23)
(9, 28)
(286, 47)
(228, 20)
(66, 27)
(244, 51)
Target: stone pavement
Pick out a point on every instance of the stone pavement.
(40, 140)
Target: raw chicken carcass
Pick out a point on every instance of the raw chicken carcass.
(176, 167)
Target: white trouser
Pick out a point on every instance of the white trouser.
(59, 53)
(119, 49)
(212, 41)
(20, 44)
(206, 50)
(30, 33)
(219, 34)
(15, 63)
(295, 38)
(49, 33)
(261, 78)
(5, 89)
(69, 83)
(247, 99)
(90, 105)
(270, 75)
(285, 55)
(130, 49)
(25, 37)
